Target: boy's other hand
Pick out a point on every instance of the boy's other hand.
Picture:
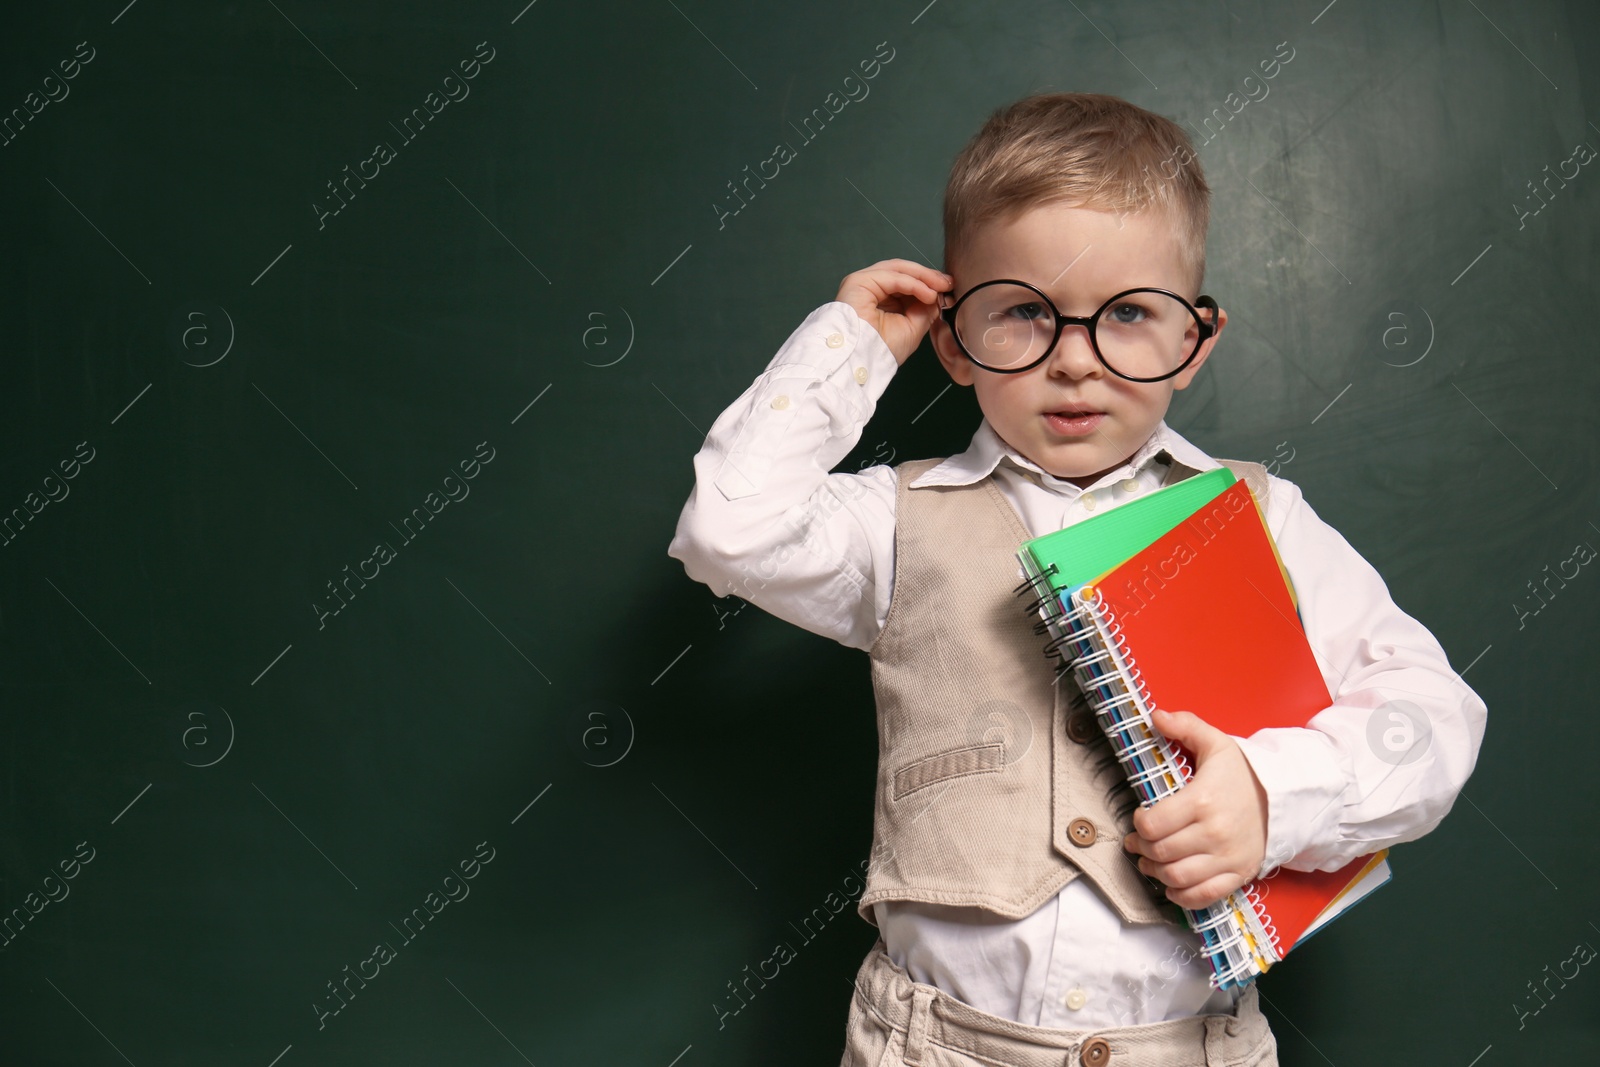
(899, 298)
(1208, 838)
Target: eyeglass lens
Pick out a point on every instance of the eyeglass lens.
(1140, 335)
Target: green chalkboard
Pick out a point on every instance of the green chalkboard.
(354, 359)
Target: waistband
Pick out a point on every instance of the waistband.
(928, 1015)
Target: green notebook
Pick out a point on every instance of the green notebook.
(1087, 549)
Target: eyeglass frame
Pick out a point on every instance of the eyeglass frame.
(1207, 329)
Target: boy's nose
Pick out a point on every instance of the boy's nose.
(1073, 355)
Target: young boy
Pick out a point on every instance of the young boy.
(1027, 908)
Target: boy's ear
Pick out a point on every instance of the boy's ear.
(1182, 380)
(957, 365)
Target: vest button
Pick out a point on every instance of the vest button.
(1083, 834)
(1081, 727)
(1096, 1052)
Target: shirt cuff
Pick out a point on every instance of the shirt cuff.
(1300, 770)
(864, 366)
(828, 375)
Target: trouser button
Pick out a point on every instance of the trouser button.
(1096, 1052)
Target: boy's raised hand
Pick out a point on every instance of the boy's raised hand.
(899, 298)
(1208, 838)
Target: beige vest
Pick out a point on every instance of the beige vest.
(995, 787)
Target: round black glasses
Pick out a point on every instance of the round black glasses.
(1009, 326)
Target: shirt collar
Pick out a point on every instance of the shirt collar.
(988, 449)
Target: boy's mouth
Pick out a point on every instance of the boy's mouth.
(1074, 422)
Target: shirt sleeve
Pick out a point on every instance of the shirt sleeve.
(765, 520)
(1383, 764)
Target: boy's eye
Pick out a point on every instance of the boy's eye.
(1125, 313)
(1034, 310)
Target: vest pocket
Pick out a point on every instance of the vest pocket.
(955, 763)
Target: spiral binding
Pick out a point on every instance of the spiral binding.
(1256, 893)
(1239, 956)
(1113, 686)
(1121, 700)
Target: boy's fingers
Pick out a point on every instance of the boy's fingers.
(898, 298)
(1180, 874)
(1208, 892)
(1192, 840)
(909, 266)
(1200, 880)
(904, 282)
(883, 284)
(1172, 814)
(904, 276)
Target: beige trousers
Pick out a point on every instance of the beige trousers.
(895, 1020)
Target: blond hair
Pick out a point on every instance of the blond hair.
(1085, 149)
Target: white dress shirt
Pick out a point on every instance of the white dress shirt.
(765, 521)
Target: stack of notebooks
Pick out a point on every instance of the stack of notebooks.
(1179, 600)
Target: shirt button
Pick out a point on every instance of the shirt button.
(1130, 485)
(1087, 500)
(1081, 727)
(1082, 832)
(1076, 998)
(780, 402)
(834, 340)
(861, 375)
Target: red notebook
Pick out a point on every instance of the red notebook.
(1208, 617)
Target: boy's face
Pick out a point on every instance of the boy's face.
(1079, 257)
